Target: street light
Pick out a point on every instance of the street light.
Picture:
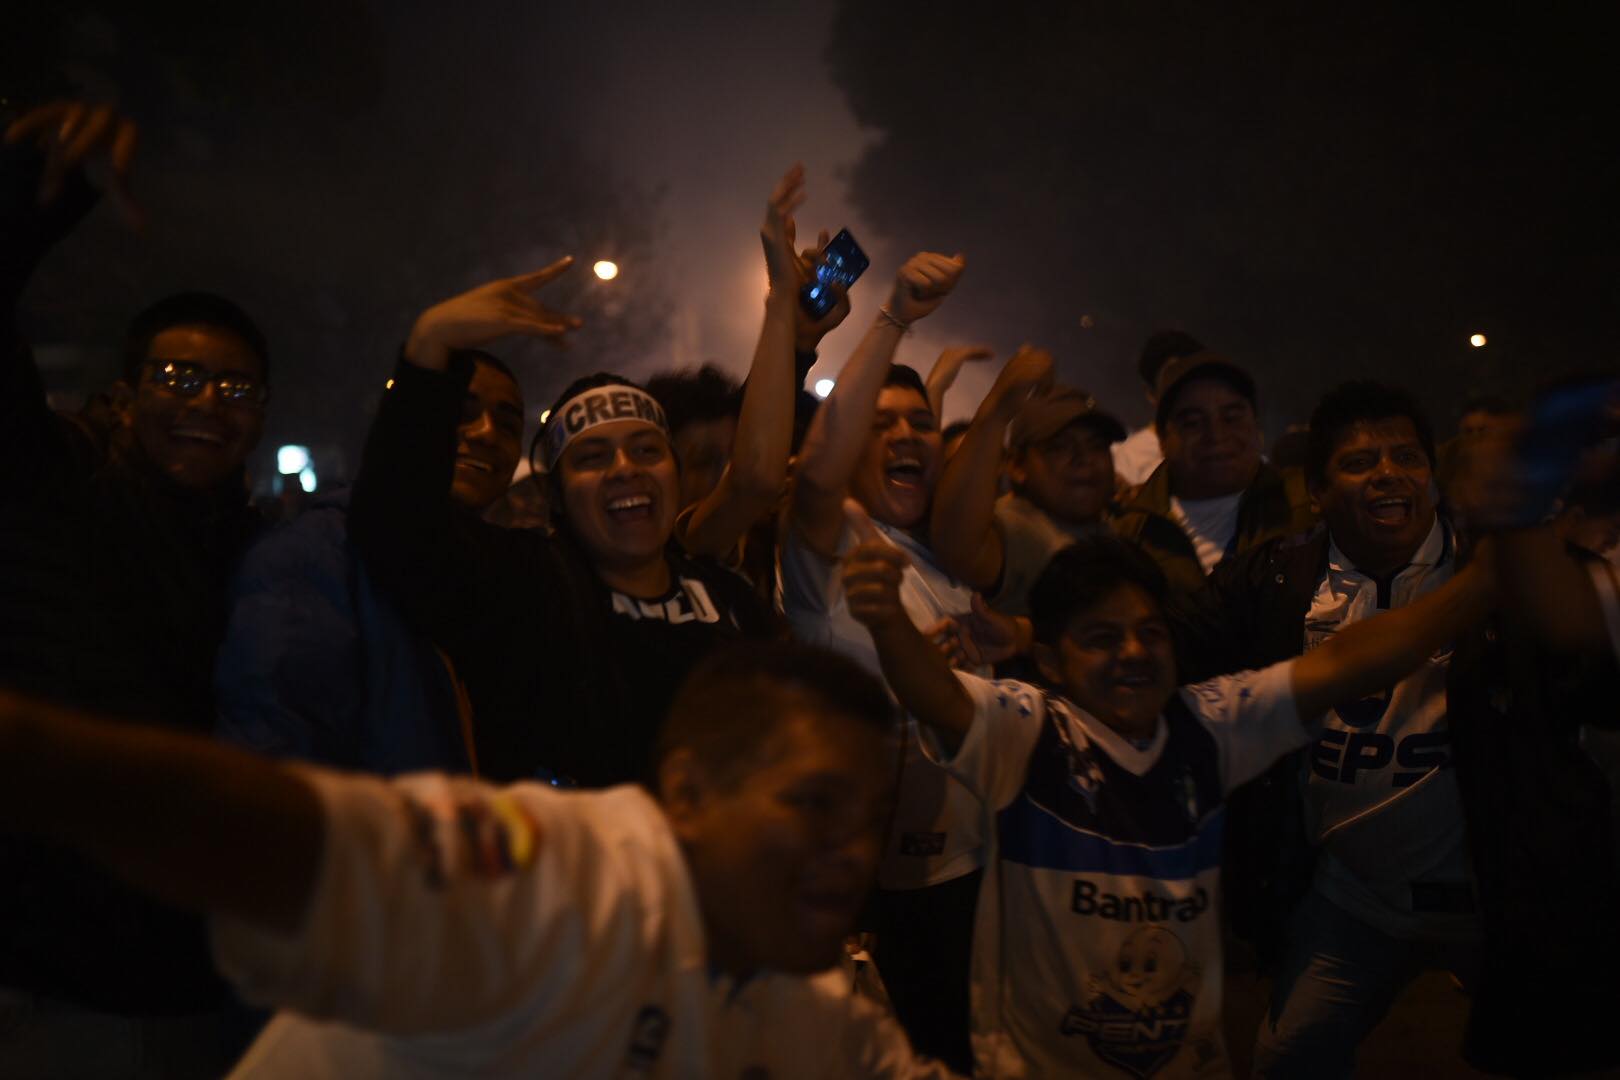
(823, 387)
(1477, 341)
(606, 270)
(292, 460)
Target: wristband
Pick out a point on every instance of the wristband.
(892, 319)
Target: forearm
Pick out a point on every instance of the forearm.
(964, 518)
(922, 679)
(838, 434)
(194, 823)
(1550, 590)
(758, 467)
(1372, 655)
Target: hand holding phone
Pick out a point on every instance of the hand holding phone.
(842, 262)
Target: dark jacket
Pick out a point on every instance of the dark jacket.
(112, 589)
(318, 665)
(561, 683)
(1275, 504)
(1250, 613)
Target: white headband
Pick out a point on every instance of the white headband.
(599, 405)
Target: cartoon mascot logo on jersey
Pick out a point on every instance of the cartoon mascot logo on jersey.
(1138, 1012)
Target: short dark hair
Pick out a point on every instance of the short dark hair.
(901, 375)
(735, 699)
(1159, 348)
(1356, 402)
(1085, 573)
(479, 356)
(190, 308)
(695, 395)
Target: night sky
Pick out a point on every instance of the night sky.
(1319, 194)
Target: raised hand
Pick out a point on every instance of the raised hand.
(923, 283)
(1028, 374)
(942, 376)
(497, 309)
(872, 572)
(73, 133)
(782, 266)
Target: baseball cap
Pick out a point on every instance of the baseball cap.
(1045, 416)
(1201, 365)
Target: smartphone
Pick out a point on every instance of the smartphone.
(842, 261)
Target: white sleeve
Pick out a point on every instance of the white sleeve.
(809, 583)
(1252, 717)
(440, 904)
(1608, 594)
(994, 756)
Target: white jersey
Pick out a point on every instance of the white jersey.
(936, 835)
(1097, 947)
(462, 930)
(1381, 793)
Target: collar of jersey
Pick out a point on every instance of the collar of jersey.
(1431, 553)
(1084, 728)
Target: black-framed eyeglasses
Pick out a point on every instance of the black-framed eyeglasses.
(188, 380)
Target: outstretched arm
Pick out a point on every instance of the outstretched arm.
(193, 822)
(838, 434)
(753, 479)
(1369, 656)
(916, 670)
(965, 536)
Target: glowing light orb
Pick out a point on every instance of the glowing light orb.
(1477, 341)
(606, 270)
(823, 387)
(292, 460)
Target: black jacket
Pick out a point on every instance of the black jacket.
(559, 684)
(112, 597)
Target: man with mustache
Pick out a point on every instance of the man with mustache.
(1213, 496)
(1390, 891)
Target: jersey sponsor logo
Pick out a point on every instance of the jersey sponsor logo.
(922, 844)
(1137, 1013)
(690, 604)
(1090, 900)
(1366, 712)
(647, 1036)
(1344, 756)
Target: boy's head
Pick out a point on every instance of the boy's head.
(702, 407)
(1101, 635)
(777, 769)
(615, 485)
(894, 479)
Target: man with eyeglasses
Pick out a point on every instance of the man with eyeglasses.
(119, 535)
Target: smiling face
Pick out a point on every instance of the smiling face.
(1377, 494)
(1211, 440)
(1070, 475)
(198, 442)
(894, 480)
(784, 855)
(489, 440)
(1115, 661)
(620, 493)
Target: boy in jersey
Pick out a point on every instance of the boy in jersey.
(1104, 806)
(431, 926)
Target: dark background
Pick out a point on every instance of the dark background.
(1318, 192)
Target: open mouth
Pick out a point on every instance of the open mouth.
(1136, 681)
(630, 509)
(1390, 511)
(474, 465)
(906, 472)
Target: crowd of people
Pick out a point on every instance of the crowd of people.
(759, 735)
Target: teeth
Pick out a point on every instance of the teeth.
(630, 502)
